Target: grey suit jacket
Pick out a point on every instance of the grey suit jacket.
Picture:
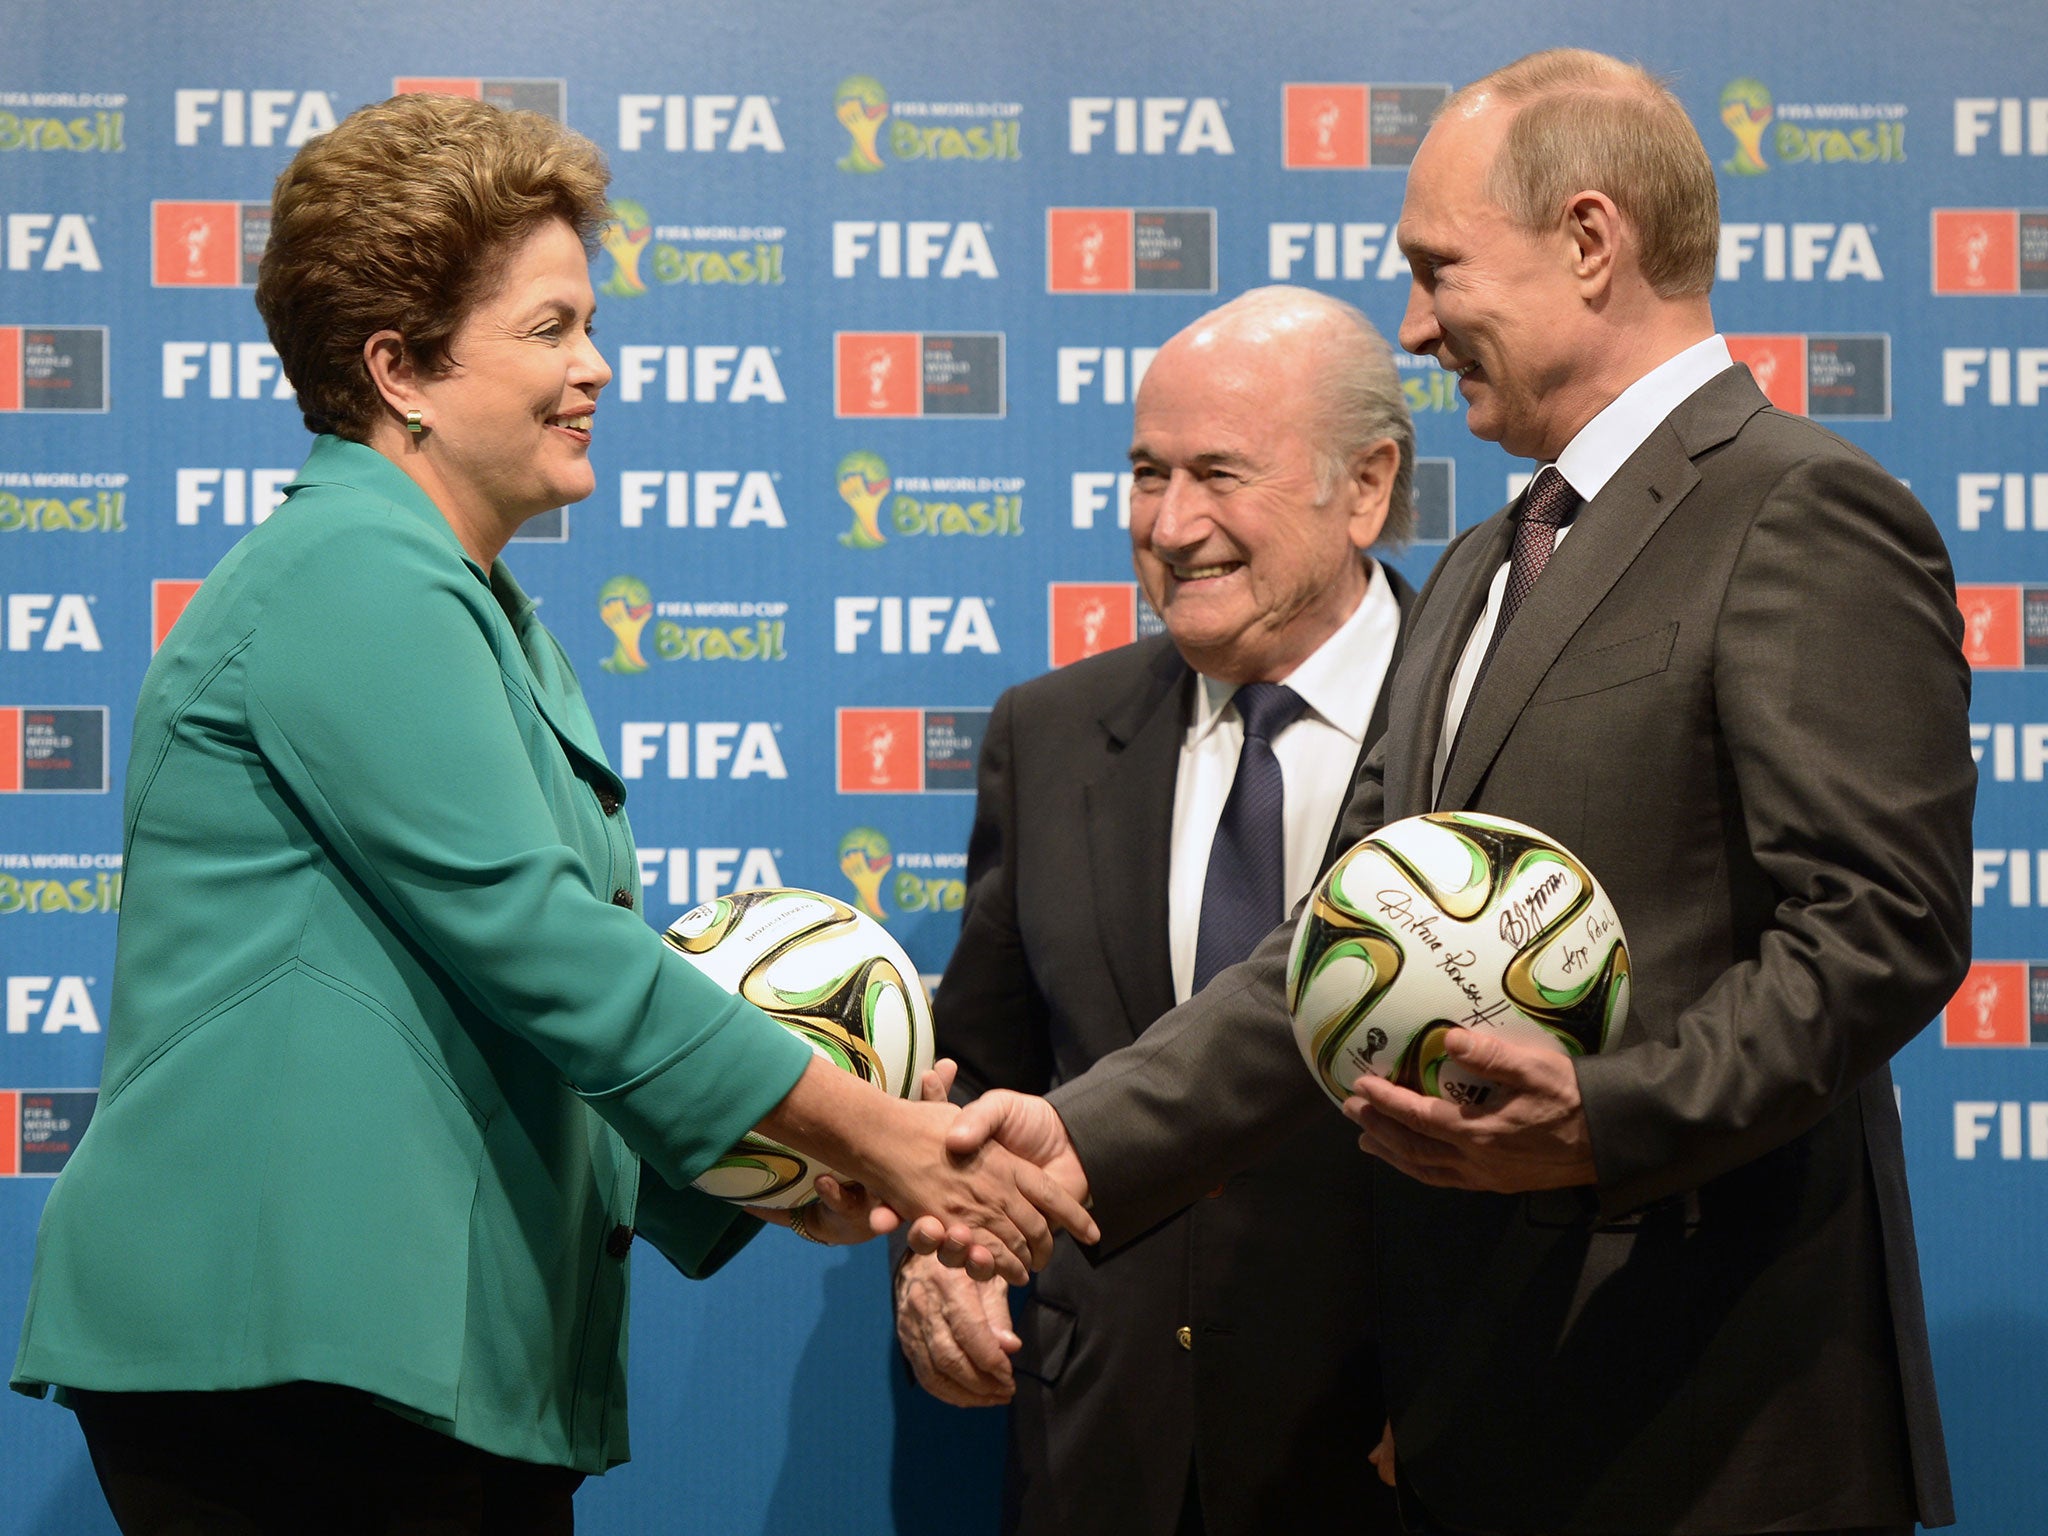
(1738, 694)
(1063, 958)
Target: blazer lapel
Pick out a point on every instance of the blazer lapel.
(1382, 706)
(1129, 809)
(1422, 686)
(1608, 534)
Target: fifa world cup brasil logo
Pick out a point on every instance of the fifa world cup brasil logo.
(862, 106)
(1746, 109)
(625, 605)
(863, 483)
(1976, 246)
(625, 237)
(864, 858)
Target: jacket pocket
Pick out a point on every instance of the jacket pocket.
(1609, 666)
(1048, 1335)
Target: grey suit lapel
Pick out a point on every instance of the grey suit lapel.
(1608, 534)
(1129, 807)
(1423, 684)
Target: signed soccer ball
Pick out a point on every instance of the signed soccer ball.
(1452, 921)
(831, 976)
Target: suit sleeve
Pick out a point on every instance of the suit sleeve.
(1842, 700)
(1212, 1088)
(375, 695)
(989, 1014)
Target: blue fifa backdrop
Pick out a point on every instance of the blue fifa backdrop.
(880, 284)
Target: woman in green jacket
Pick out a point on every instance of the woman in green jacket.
(395, 1067)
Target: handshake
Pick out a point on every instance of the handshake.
(986, 1186)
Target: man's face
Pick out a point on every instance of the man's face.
(1248, 572)
(1493, 303)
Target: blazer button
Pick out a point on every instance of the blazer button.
(622, 897)
(1185, 1336)
(619, 1242)
(609, 800)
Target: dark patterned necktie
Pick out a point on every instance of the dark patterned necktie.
(1244, 893)
(1549, 505)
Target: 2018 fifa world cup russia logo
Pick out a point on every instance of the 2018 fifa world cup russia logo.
(625, 605)
(863, 483)
(864, 858)
(1746, 109)
(862, 106)
(625, 237)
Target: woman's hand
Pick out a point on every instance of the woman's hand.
(842, 1214)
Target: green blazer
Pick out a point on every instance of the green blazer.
(390, 1040)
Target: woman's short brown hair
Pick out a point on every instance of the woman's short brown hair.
(400, 219)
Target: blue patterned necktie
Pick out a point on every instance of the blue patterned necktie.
(1550, 504)
(1245, 891)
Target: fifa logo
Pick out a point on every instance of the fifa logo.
(862, 106)
(625, 236)
(1746, 110)
(864, 858)
(195, 235)
(1088, 242)
(863, 483)
(625, 605)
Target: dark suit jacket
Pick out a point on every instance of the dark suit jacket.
(1738, 695)
(1063, 958)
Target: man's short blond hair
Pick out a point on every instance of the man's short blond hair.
(1584, 121)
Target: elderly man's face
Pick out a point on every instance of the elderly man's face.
(1249, 567)
(1491, 302)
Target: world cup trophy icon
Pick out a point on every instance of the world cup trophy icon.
(1746, 110)
(878, 367)
(1978, 618)
(864, 858)
(1984, 1003)
(625, 605)
(863, 484)
(1092, 616)
(625, 237)
(1976, 246)
(1328, 115)
(1088, 243)
(196, 235)
(862, 106)
(880, 742)
(1764, 368)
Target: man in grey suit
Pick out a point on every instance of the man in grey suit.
(1671, 1288)
(1194, 1377)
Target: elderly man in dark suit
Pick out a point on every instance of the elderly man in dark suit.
(1715, 651)
(1200, 1375)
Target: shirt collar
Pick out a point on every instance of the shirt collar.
(1325, 679)
(1604, 444)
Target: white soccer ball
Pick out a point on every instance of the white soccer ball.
(1452, 921)
(835, 979)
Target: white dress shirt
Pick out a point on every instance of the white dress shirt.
(1339, 682)
(1588, 462)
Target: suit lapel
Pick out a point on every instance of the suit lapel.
(1129, 808)
(1382, 706)
(1608, 534)
(1423, 684)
